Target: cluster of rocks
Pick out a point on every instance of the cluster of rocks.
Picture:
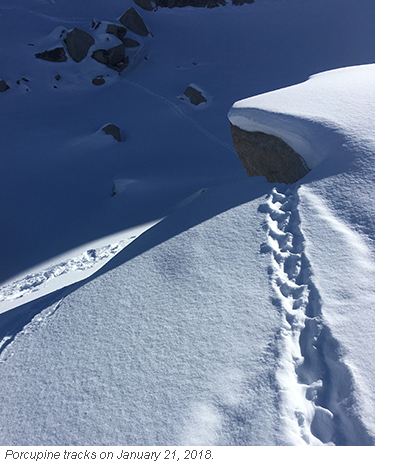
(266, 155)
(78, 42)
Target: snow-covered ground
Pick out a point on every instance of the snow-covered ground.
(152, 293)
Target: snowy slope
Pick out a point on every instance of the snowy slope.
(329, 120)
(245, 317)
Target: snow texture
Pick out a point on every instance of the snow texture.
(152, 293)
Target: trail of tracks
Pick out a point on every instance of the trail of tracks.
(316, 387)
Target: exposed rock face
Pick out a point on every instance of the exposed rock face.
(194, 95)
(145, 4)
(3, 86)
(118, 31)
(53, 55)
(266, 155)
(112, 130)
(78, 43)
(114, 57)
(133, 22)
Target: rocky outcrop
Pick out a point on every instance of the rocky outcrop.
(112, 130)
(3, 86)
(114, 57)
(53, 55)
(266, 155)
(78, 43)
(133, 22)
(195, 96)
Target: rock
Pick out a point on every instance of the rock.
(3, 86)
(145, 4)
(95, 24)
(78, 43)
(133, 22)
(54, 55)
(190, 3)
(112, 130)
(114, 57)
(130, 43)
(266, 155)
(118, 31)
(194, 95)
(99, 80)
(58, 77)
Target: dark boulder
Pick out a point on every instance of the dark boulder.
(267, 155)
(53, 55)
(133, 22)
(118, 31)
(130, 43)
(3, 86)
(114, 57)
(78, 43)
(194, 95)
(112, 130)
(99, 80)
(145, 4)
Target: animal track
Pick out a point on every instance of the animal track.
(317, 392)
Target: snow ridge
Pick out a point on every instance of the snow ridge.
(316, 387)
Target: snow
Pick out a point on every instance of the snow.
(152, 293)
(330, 100)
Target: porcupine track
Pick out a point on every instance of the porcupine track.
(317, 395)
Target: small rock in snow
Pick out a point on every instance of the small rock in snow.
(112, 130)
(194, 95)
(53, 55)
(98, 80)
(3, 86)
(130, 43)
